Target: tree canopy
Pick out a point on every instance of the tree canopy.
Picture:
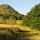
(33, 17)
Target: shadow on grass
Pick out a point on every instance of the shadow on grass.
(9, 34)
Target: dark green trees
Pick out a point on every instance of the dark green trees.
(33, 17)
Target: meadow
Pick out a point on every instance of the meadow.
(27, 34)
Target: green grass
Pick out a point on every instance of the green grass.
(33, 34)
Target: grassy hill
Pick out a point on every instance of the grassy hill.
(7, 12)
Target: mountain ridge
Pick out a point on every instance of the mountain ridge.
(6, 9)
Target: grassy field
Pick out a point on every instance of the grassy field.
(34, 34)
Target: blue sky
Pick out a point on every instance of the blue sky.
(22, 6)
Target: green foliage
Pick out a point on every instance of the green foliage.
(33, 17)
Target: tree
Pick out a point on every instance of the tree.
(32, 18)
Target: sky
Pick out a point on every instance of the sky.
(22, 6)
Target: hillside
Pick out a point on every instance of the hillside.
(33, 17)
(7, 12)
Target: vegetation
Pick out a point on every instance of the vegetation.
(7, 12)
(32, 19)
(19, 31)
(11, 34)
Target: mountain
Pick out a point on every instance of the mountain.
(7, 12)
(33, 17)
